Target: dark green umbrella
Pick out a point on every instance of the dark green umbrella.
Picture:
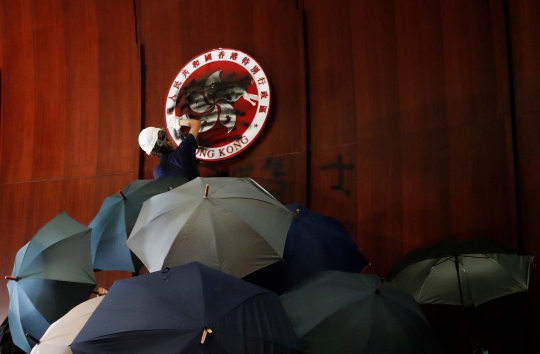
(350, 313)
(115, 219)
(462, 273)
(52, 274)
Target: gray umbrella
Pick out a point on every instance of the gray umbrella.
(229, 224)
(462, 273)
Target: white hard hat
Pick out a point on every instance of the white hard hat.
(148, 138)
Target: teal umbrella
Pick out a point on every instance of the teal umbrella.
(52, 274)
(350, 313)
(115, 219)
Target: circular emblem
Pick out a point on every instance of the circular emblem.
(228, 91)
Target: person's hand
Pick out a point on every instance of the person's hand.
(101, 291)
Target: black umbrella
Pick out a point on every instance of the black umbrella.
(462, 273)
(187, 309)
(349, 313)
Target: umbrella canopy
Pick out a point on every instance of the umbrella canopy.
(61, 333)
(233, 225)
(52, 274)
(6, 342)
(462, 273)
(115, 219)
(316, 243)
(187, 309)
(337, 312)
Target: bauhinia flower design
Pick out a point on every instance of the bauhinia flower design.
(215, 103)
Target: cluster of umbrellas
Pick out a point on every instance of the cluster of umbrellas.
(220, 251)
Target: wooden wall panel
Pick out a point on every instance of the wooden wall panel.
(50, 96)
(331, 73)
(524, 41)
(119, 87)
(333, 191)
(69, 82)
(70, 114)
(18, 91)
(173, 32)
(479, 116)
(432, 106)
(82, 79)
(524, 33)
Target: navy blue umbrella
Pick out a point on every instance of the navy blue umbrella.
(315, 243)
(115, 219)
(187, 309)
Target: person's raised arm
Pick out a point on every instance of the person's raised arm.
(193, 124)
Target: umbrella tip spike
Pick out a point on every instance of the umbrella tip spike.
(297, 214)
(206, 191)
(10, 277)
(122, 195)
(379, 286)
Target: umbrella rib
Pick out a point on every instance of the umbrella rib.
(446, 259)
(467, 280)
(214, 238)
(471, 256)
(256, 199)
(81, 233)
(57, 328)
(425, 279)
(512, 276)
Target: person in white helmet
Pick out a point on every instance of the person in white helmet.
(179, 162)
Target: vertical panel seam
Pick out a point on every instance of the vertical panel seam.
(308, 111)
(513, 123)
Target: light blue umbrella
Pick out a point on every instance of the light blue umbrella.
(52, 274)
(115, 219)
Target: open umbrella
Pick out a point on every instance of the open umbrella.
(230, 224)
(115, 219)
(462, 273)
(61, 333)
(346, 313)
(187, 309)
(316, 242)
(52, 274)
(6, 342)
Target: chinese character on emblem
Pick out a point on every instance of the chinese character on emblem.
(231, 98)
